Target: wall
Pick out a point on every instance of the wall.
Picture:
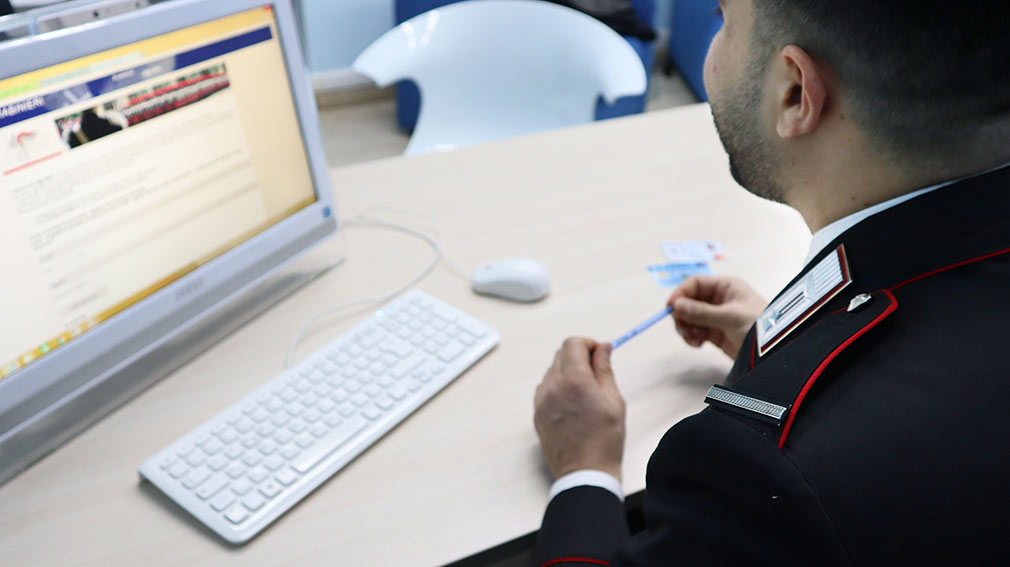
(336, 31)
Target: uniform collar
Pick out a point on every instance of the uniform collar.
(824, 236)
(942, 224)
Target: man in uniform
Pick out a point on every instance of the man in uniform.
(866, 420)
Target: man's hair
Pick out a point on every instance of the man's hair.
(928, 80)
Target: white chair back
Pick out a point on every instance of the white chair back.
(492, 69)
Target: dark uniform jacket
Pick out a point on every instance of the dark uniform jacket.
(896, 446)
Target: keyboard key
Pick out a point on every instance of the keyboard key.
(294, 410)
(311, 416)
(177, 470)
(309, 400)
(396, 347)
(328, 444)
(185, 451)
(302, 385)
(217, 463)
(405, 366)
(196, 478)
(297, 426)
(236, 515)
(383, 402)
(270, 488)
(257, 475)
(250, 441)
(289, 452)
(372, 412)
(373, 391)
(280, 419)
(212, 447)
(322, 390)
(265, 430)
(326, 406)
(347, 410)
(268, 447)
(359, 399)
(253, 502)
(472, 328)
(319, 430)
(273, 462)
(241, 486)
(222, 501)
(398, 392)
(233, 452)
(288, 395)
(251, 459)
(449, 352)
(235, 470)
(304, 440)
(259, 414)
(283, 437)
(196, 459)
(287, 477)
(212, 487)
(167, 463)
(228, 436)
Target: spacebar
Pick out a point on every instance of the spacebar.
(327, 444)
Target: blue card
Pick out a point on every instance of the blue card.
(672, 275)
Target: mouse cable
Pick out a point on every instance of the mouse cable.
(365, 219)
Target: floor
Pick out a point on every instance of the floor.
(365, 131)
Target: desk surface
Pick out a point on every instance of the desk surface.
(464, 472)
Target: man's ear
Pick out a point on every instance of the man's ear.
(802, 93)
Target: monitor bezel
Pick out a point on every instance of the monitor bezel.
(54, 380)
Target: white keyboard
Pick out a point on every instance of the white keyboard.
(243, 468)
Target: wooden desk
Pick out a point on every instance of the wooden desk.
(463, 473)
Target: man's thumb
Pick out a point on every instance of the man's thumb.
(601, 362)
(702, 314)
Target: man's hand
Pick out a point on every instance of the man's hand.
(716, 309)
(579, 411)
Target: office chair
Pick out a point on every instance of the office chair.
(408, 100)
(499, 68)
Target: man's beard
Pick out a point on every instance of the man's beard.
(751, 162)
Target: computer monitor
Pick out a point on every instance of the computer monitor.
(155, 166)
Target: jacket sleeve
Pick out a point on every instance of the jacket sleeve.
(583, 526)
(720, 492)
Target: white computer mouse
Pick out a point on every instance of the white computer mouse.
(518, 279)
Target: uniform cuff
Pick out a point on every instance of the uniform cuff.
(587, 477)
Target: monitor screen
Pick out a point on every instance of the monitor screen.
(125, 170)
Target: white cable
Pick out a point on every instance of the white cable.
(433, 227)
(363, 219)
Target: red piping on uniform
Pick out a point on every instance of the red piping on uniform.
(817, 373)
(950, 267)
(575, 560)
(754, 347)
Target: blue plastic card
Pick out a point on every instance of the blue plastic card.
(672, 275)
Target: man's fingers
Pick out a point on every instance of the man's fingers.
(601, 364)
(703, 314)
(701, 287)
(576, 354)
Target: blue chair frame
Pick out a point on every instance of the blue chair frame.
(408, 97)
(694, 25)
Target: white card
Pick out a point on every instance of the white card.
(693, 251)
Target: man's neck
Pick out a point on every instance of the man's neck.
(823, 197)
